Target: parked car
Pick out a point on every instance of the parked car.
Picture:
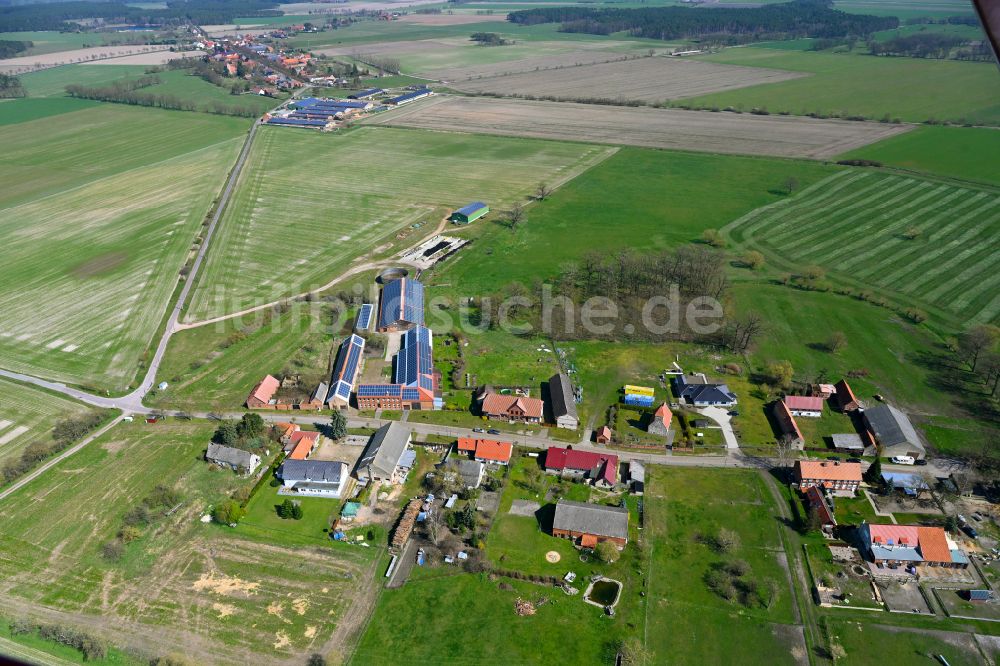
(903, 460)
(854, 460)
(478, 430)
(493, 431)
(734, 412)
(970, 530)
(920, 462)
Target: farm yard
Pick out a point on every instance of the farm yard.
(181, 582)
(27, 415)
(278, 238)
(917, 241)
(779, 136)
(651, 80)
(92, 247)
(862, 85)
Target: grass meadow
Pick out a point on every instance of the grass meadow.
(308, 204)
(864, 85)
(27, 415)
(683, 507)
(855, 225)
(52, 82)
(201, 589)
(964, 153)
(639, 198)
(99, 213)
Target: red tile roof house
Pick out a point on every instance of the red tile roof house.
(817, 502)
(301, 443)
(845, 397)
(827, 474)
(604, 435)
(804, 405)
(262, 395)
(512, 408)
(285, 431)
(895, 545)
(600, 468)
(486, 450)
(787, 425)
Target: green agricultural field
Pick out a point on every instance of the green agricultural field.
(183, 586)
(30, 108)
(864, 86)
(856, 224)
(27, 415)
(684, 508)
(182, 84)
(99, 214)
(905, 9)
(50, 41)
(639, 198)
(214, 367)
(899, 644)
(52, 82)
(310, 203)
(957, 436)
(964, 153)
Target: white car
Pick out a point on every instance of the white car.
(903, 460)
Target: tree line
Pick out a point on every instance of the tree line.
(923, 45)
(800, 18)
(129, 92)
(64, 433)
(59, 15)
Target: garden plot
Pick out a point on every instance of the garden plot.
(921, 242)
(655, 79)
(27, 416)
(308, 204)
(781, 136)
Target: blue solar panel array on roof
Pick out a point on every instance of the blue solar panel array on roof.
(343, 390)
(411, 394)
(413, 302)
(471, 208)
(391, 296)
(410, 96)
(297, 122)
(379, 390)
(345, 369)
(368, 92)
(364, 320)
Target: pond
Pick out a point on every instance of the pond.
(604, 592)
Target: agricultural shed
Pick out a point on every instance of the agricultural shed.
(470, 213)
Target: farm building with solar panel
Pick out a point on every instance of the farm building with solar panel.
(470, 213)
(345, 372)
(401, 306)
(364, 320)
(416, 383)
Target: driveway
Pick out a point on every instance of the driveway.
(721, 416)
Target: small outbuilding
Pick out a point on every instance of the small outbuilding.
(470, 213)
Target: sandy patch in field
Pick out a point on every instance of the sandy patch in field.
(223, 610)
(300, 606)
(114, 446)
(552, 557)
(310, 631)
(224, 585)
(703, 131)
(450, 19)
(281, 640)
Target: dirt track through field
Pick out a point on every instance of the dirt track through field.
(778, 136)
(654, 79)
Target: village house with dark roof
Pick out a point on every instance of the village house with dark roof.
(587, 525)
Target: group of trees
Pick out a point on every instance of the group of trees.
(65, 432)
(800, 18)
(156, 504)
(10, 48)
(289, 509)
(649, 294)
(489, 39)
(978, 349)
(246, 434)
(91, 647)
(10, 86)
